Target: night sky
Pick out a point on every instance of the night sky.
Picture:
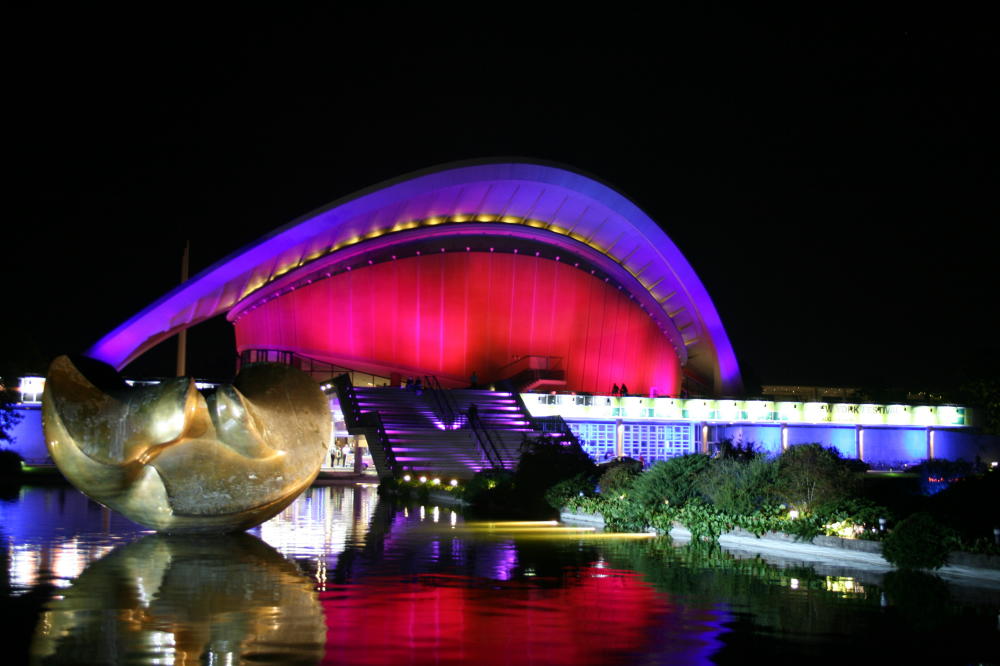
(832, 179)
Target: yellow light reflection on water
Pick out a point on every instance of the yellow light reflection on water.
(843, 585)
(542, 529)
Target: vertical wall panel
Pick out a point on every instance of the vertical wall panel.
(452, 313)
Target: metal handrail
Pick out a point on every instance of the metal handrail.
(442, 399)
(481, 432)
(318, 369)
(355, 418)
(561, 427)
(551, 362)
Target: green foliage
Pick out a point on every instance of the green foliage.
(919, 542)
(739, 486)
(8, 416)
(623, 515)
(671, 482)
(580, 485)
(803, 528)
(854, 511)
(10, 464)
(743, 452)
(704, 521)
(489, 488)
(545, 463)
(942, 468)
(971, 506)
(984, 395)
(810, 475)
(618, 478)
(586, 504)
(768, 518)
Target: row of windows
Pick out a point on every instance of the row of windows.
(650, 442)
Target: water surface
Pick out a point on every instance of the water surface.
(344, 576)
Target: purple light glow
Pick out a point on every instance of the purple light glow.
(612, 225)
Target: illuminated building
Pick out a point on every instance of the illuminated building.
(514, 270)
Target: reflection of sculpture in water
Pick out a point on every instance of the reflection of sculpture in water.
(178, 460)
(185, 600)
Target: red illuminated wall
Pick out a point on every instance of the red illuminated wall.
(450, 314)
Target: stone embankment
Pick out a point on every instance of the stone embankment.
(843, 551)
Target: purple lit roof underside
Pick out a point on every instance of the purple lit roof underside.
(578, 206)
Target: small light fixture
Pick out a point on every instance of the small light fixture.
(423, 479)
(406, 477)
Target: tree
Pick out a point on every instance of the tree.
(810, 475)
(8, 416)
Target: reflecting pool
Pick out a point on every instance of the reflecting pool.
(344, 576)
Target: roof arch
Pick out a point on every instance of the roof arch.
(546, 202)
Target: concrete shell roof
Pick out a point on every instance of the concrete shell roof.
(538, 199)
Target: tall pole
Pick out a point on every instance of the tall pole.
(182, 336)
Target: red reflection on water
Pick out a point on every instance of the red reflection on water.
(595, 616)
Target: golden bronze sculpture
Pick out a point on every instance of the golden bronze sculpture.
(185, 600)
(178, 460)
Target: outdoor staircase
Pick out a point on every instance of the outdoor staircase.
(422, 438)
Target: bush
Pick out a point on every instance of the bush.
(673, 482)
(743, 452)
(919, 542)
(618, 477)
(739, 486)
(489, 488)
(623, 515)
(544, 463)
(810, 475)
(580, 485)
(10, 464)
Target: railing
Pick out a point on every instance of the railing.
(487, 441)
(354, 418)
(530, 362)
(317, 369)
(557, 425)
(443, 401)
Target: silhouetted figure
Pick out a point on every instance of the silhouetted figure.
(418, 386)
(474, 380)
(473, 412)
(614, 390)
(624, 390)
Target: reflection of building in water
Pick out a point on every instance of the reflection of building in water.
(322, 523)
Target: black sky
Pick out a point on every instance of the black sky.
(832, 178)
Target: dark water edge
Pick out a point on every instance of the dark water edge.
(344, 576)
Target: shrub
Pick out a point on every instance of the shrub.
(580, 485)
(854, 511)
(739, 486)
(544, 463)
(10, 464)
(489, 488)
(618, 478)
(919, 542)
(673, 482)
(730, 451)
(704, 521)
(810, 475)
(623, 515)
